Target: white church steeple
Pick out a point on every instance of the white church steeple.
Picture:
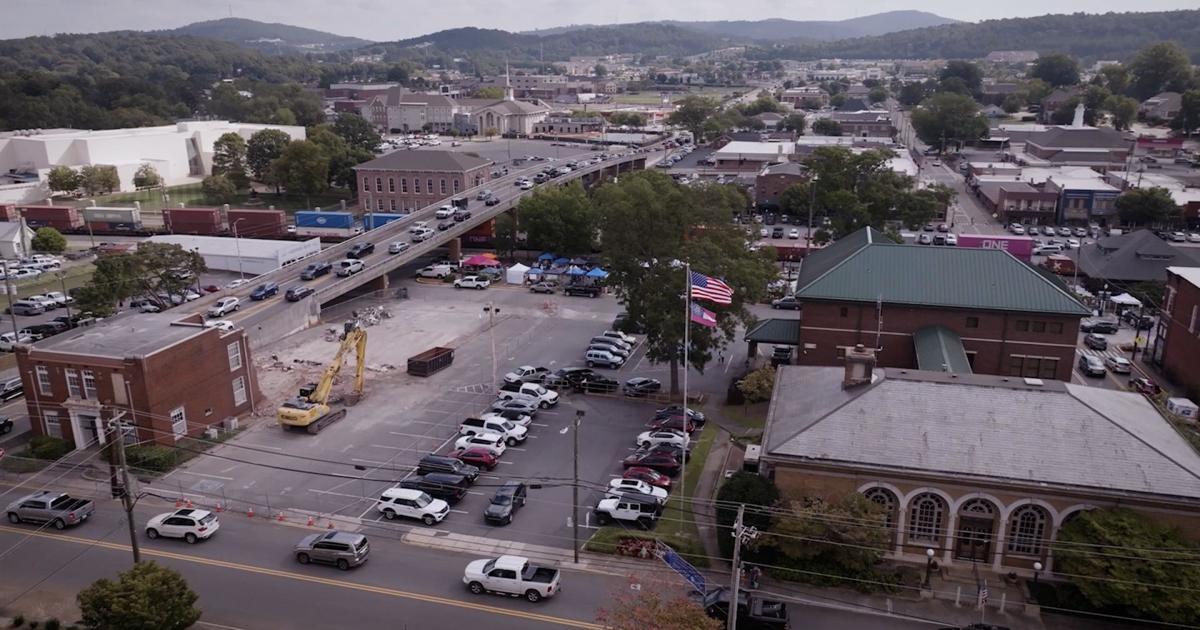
(508, 90)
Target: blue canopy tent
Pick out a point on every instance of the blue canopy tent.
(576, 271)
(580, 261)
(546, 256)
(597, 273)
(534, 272)
(556, 271)
(561, 262)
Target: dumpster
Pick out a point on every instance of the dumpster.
(430, 361)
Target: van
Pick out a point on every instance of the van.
(26, 307)
(434, 271)
(602, 358)
(441, 464)
(349, 267)
(445, 486)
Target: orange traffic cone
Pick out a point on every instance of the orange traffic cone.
(219, 508)
(310, 521)
(189, 503)
(250, 512)
(329, 525)
(178, 503)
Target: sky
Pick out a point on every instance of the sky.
(387, 20)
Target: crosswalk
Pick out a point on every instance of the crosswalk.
(1103, 354)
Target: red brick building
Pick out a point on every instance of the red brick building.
(936, 308)
(1019, 202)
(403, 181)
(1177, 340)
(171, 377)
(773, 179)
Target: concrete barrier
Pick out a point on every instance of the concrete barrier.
(266, 330)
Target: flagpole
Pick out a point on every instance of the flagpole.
(687, 341)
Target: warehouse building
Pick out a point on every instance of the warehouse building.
(250, 257)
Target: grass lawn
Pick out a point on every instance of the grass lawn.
(76, 276)
(191, 195)
(677, 527)
(751, 419)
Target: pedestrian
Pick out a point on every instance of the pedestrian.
(755, 576)
(721, 357)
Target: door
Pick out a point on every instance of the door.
(974, 540)
(176, 527)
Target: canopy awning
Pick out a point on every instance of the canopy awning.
(480, 260)
(597, 273)
(576, 271)
(561, 262)
(546, 256)
(1125, 300)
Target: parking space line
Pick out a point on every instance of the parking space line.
(493, 476)
(371, 461)
(476, 493)
(340, 494)
(460, 511)
(425, 437)
(539, 424)
(188, 472)
(513, 448)
(506, 464)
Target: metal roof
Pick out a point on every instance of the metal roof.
(440, 161)
(1139, 256)
(940, 349)
(780, 331)
(947, 277)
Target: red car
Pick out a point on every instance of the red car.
(664, 463)
(476, 456)
(656, 479)
(1145, 386)
(676, 423)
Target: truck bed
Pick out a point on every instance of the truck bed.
(543, 575)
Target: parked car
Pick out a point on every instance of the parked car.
(786, 302)
(1118, 365)
(397, 247)
(661, 462)
(361, 250)
(753, 611)
(527, 374)
(349, 267)
(672, 411)
(6, 425)
(533, 392)
(512, 415)
(340, 549)
(1095, 341)
(567, 377)
(629, 340)
(652, 477)
(542, 287)
(440, 463)
(11, 388)
(525, 407)
(46, 329)
(25, 308)
(672, 423)
(434, 271)
(1139, 322)
(445, 486)
(598, 384)
(475, 456)
(623, 486)
(56, 508)
(641, 386)
(1143, 385)
(511, 575)
(637, 509)
(472, 282)
(224, 306)
(223, 325)
(264, 291)
(513, 433)
(583, 290)
(618, 351)
(493, 442)
(1091, 366)
(315, 270)
(1101, 326)
(190, 524)
(647, 439)
(508, 499)
(602, 358)
(295, 294)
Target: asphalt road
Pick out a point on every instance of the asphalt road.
(246, 578)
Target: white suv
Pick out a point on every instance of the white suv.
(422, 234)
(493, 442)
(349, 267)
(397, 502)
(224, 306)
(189, 524)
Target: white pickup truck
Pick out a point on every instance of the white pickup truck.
(512, 575)
(529, 392)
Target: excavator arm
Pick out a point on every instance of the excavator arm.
(355, 337)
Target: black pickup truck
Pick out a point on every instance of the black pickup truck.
(586, 290)
(754, 612)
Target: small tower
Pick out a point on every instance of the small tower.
(508, 90)
(1078, 121)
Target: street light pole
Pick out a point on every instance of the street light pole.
(8, 291)
(928, 567)
(579, 413)
(238, 246)
(62, 278)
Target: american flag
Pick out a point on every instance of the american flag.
(711, 289)
(703, 316)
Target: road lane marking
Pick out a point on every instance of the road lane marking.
(188, 472)
(414, 435)
(300, 577)
(341, 494)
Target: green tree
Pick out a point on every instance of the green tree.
(844, 536)
(877, 94)
(691, 112)
(793, 122)
(146, 177)
(758, 385)
(357, 132)
(794, 200)
(600, 71)
(826, 127)
(653, 605)
(264, 147)
(753, 490)
(1123, 110)
(99, 178)
(48, 239)
(63, 179)
(912, 94)
(1115, 78)
(1146, 578)
(1188, 118)
(1159, 67)
(970, 74)
(218, 189)
(1147, 206)
(1035, 90)
(229, 159)
(1056, 69)
(943, 118)
(303, 168)
(919, 207)
(341, 156)
(491, 92)
(630, 119)
(559, 219)
(506, 235)
(1012, 104)
(648, 223)
(145, 597)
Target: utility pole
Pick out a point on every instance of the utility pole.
(740, 534)
(9, 289)
(126, 497)
(575, 487)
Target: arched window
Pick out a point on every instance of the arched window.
(926, 517)
(887, 499)
(980, 508)
(1027, 530)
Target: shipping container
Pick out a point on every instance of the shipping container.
(1059, 264)
(9, 213)
(1019, 246)
(317, 219)
(62, 218)
(328, 234)
(379, 219)
(116, 228)
(97, 214)
(257, 223)
(202, 221)
(430, 361)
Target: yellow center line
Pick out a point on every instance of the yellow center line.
(247, 568)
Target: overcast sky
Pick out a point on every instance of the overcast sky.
(384, 20)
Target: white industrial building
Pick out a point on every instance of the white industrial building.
(181, 153)
(248, 256)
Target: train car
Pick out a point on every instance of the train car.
(200, 221)
(113, 219)
(374, 220)
(328, 226)
(61, 218)
(257, 223)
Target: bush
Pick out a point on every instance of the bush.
(748, 488)
(46, 447)
(53, 624)
(606, 539)
(18, 621)
(158, 459)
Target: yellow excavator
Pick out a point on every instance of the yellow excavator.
(310, 410)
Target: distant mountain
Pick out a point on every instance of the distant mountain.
(644, 38)
(274, 38)
(1087, 36)
(778, 29)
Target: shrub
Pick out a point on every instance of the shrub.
(748, 488)
(152, 458)
(53, 624)
(18, 621)
(46, 447)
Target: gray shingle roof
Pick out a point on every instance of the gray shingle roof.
(983, 427)
(438, 161)
(1139, 256)
(867, 270)
(1079, 138)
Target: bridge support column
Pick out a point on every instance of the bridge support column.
(455, 249)
(379, 284)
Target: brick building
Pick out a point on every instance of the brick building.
(773, 179)
(1019, 202)
(865, 124)
(981, 469)
(927, 307)
(1177, 340)
(172, 377)
(403, 181)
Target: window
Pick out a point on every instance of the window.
(89, 384)
(379, 205)
(178, 422)
(925, 519)
(1039, 327)
(840, 352)
(885, 498)
(391, 184)
(234, 350)
(239, 390)
(429, 185)
(456, 186)
(403, 184)
(392, 204)
(417, 185)
(73, 389)
(1032, 367)
(972, 322)
(1027, 530)
(378, 184)
(366, 184)
(443, 185)
(1055, 328)
(53, 425)
(1022, 325)
(844, 312)
(43, 380)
